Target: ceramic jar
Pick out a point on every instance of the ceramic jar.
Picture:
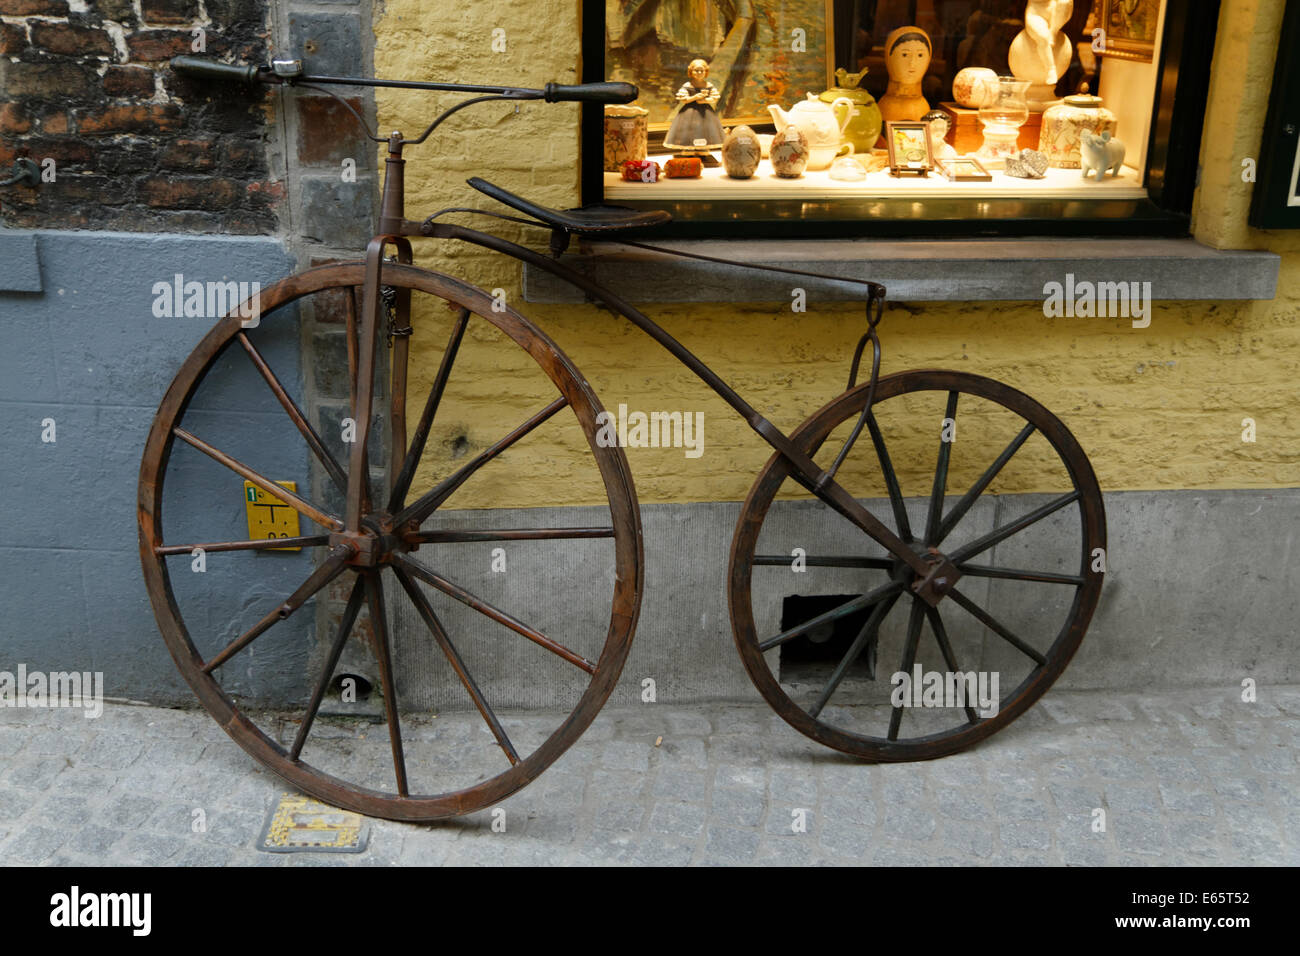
(741, 152)
(1062, 124)
(973, 86)
(625, 135)
(865, 121)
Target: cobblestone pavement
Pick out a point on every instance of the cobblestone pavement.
(1183, 777)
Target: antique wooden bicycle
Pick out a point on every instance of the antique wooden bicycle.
(821, 472)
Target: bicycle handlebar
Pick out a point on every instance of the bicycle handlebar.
(201, 68)
(591, 93)
(205, 69)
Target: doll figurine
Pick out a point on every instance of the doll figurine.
(907, 58)
(696, 128)
(939, 124)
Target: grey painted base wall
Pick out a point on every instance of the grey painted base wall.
(86, 350)
(1203, 588)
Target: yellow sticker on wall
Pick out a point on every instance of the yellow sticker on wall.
(268, 516)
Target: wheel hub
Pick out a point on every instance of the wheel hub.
(376, 542)
(936, 583)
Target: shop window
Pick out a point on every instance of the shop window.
(1089, 74)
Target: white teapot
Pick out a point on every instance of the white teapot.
(818, 121)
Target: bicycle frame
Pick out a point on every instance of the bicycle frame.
(935, 576)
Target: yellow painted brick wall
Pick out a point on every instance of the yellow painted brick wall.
(1160, 407)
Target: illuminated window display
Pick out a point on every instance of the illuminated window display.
(1013, 85)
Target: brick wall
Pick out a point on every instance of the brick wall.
(134, 146)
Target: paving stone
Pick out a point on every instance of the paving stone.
(688, 786)
(625, 755)
(1132, 799)
(34, 845)
(626, 817)
(680, 819)
(728, 846)
(742, 778)
(1025, 836)
(738, 808)
(1185, 799)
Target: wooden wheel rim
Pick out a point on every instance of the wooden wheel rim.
(809, 437)
(624, 514)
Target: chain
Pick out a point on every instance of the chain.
(389, 294)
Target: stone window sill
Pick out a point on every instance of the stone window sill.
(975, 270)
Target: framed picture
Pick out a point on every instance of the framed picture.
(758, 53)
(1130, 27)
(1275, 203)
(909, 147)
(965, 169)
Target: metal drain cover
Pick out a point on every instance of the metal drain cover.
(301, 824)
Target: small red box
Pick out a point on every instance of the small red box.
(640, 171)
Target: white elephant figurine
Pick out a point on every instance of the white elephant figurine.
(1100, 153)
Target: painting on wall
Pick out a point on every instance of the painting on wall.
(759, 52)
(1131, 28)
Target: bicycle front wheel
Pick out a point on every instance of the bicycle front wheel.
(442, 617)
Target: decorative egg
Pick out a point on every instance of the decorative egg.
(789, 152)
(741, 152)
(973, 86)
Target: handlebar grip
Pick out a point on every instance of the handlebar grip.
(204, 69)
(591, 93)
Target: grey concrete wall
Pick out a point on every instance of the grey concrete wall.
(1202, 589)
(87, 351)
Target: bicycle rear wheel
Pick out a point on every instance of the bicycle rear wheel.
(817, 605)
(460, 488)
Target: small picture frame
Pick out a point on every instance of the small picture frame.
(964, 169)
(909, 148)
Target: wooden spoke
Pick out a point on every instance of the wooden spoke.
(257, 544)
(964, 503)
(831, 561)
(834, 614)
(501, 617)
(940, 477)
(1014, 574)
(891, 478)
(332, 467)
(270, 487)
(384, 657)
(443, 641)
(331, 661)
(511, 534)
(865, 636)
(945, 647)
(429, 501)
(980, 545)
(402, 484)
(329, 569)
(909, 658)
(987, 619)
